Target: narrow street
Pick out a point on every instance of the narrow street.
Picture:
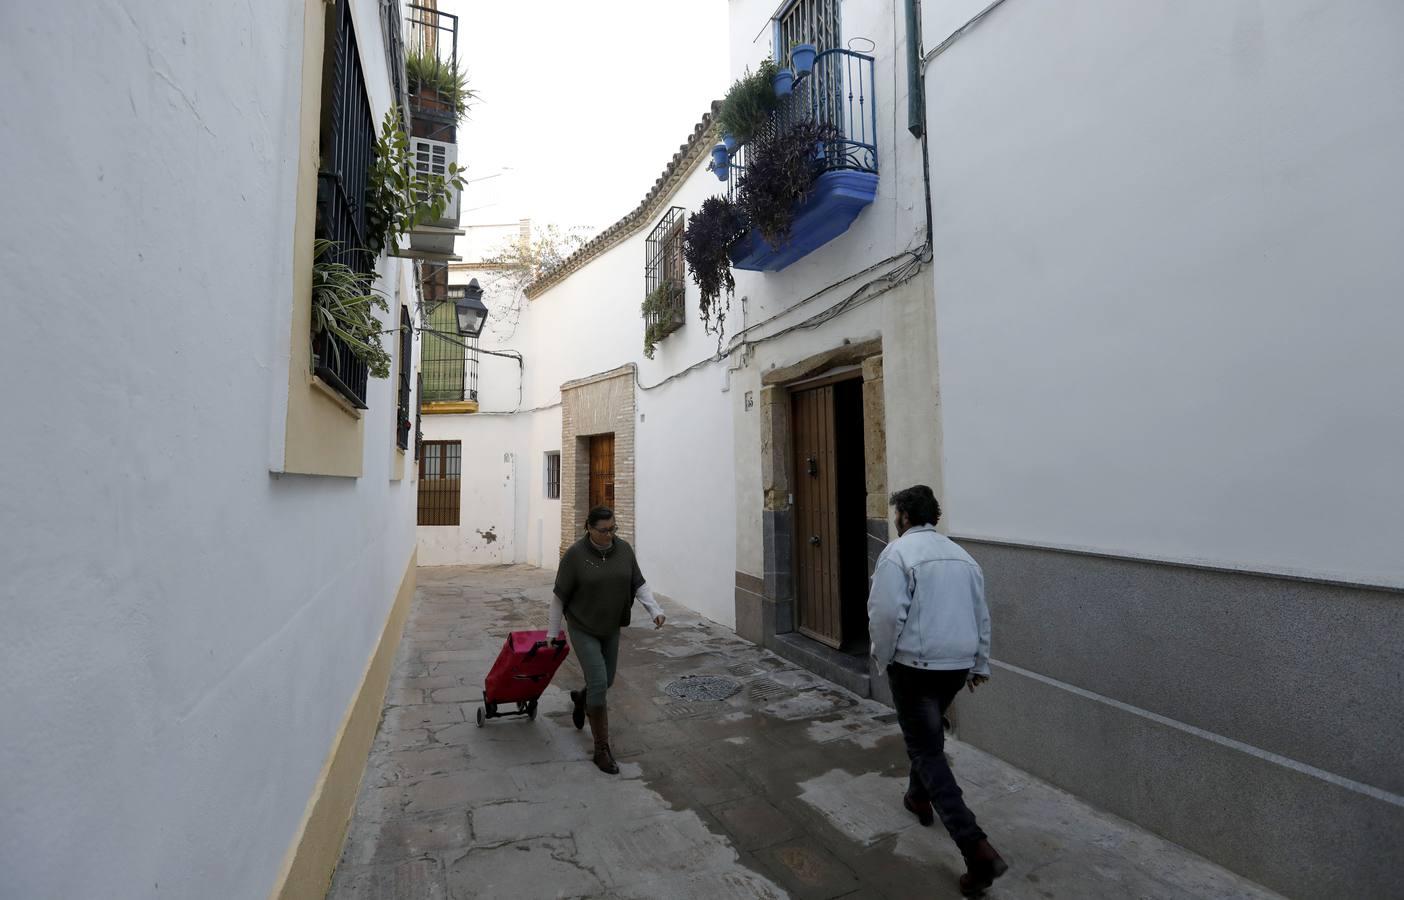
(789, 787)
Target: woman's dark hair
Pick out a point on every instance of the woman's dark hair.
(919, 503)
(598, 514)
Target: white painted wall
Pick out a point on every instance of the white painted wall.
(1167, 280)
(183, 632)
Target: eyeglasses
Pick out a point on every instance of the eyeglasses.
(613, 529)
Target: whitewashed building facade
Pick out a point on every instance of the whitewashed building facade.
(1123, 294)
(209, 522)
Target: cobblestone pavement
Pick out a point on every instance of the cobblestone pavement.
(791, 787)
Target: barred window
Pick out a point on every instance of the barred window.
(807, 22)
(664, 269)
(402, 419)
(553, 476)
(440, 470)
(348, 145)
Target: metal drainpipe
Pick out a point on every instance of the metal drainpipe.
(916, 106)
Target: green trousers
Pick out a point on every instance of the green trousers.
(599, 658)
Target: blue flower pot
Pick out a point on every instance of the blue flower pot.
(721, 156)
(729, 142)
(782, 82)
(721, 171)
(802, 58)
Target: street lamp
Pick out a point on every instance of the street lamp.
(468, 303)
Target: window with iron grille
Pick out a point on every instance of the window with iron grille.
(807, 22)
(553, 476)
(440, 471)
(348, 145)
(402, 417)
(664, 271)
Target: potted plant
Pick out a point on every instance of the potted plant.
(802, 58)
(780, 172)
(662, 314)
(344, 304)
(783, 81)
(711, 231)
(749, 103)
(437, 85)
(398, 196)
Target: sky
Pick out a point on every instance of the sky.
(583, 104)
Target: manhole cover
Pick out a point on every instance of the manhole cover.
(703, 687)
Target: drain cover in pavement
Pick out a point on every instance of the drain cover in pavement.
(703, 687)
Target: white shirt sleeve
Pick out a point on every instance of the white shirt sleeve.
(645, 596)
(557, 608)
(982, 623)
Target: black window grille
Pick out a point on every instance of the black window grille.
(553, 476)
(402, 419)
(418, 414)
(808, 22)
(440, 471)
(664, 268)
(348, 144)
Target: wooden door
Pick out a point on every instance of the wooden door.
(818, 596)
(602, 470)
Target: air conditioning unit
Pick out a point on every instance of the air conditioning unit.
(434, 239)
(434, 158)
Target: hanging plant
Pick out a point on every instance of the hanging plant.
(662, 314)
(781, 165)
(710, 233)
(437, 84)
(749, 104)
(344, 303)
(399, 197)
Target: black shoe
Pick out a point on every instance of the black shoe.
(577, 715)
(923, 811)
(983, 865)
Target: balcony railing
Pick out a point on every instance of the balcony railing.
(840, 93)
(448, 362)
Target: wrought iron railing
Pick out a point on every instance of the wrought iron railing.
(349, 143)
(448, 362)
(431, 38)
(431, 33)
(839, 93)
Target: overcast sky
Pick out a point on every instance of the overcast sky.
(585, 102)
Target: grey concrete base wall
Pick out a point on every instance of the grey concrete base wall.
(1252, 719)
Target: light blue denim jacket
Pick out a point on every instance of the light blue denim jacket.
(927, 605)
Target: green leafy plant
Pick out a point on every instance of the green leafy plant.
(662, 314)
(437, 83)
(780, 168)
(397, 196)
(711, 231)
(749, 103)
(344, 303)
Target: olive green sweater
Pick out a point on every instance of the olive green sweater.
(597, 586)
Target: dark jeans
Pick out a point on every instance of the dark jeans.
(922, 696)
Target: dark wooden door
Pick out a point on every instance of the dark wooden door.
(602, 470)
(817, 585)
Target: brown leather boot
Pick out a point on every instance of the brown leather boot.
(923, 811)
(577, 715)
(599, 727)
(983, 865)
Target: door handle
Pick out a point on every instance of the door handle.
(813, 466)
(814, 540)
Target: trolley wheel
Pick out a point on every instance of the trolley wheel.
(482, 717)
(531, 710)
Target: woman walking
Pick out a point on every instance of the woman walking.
(596, 584)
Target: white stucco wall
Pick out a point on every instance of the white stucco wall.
(1167, 281)
(183, 632)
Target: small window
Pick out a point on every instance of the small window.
(553, 476)
(402, 416)
(807, 22)
(440, 467)
(664, 274)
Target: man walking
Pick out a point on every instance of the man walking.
(931, 632)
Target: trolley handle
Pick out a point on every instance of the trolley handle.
(558, 643)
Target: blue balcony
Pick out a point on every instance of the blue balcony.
(838, 93)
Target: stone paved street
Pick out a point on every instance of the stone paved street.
(790, 788)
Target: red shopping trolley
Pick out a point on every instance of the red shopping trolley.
(521, 674)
